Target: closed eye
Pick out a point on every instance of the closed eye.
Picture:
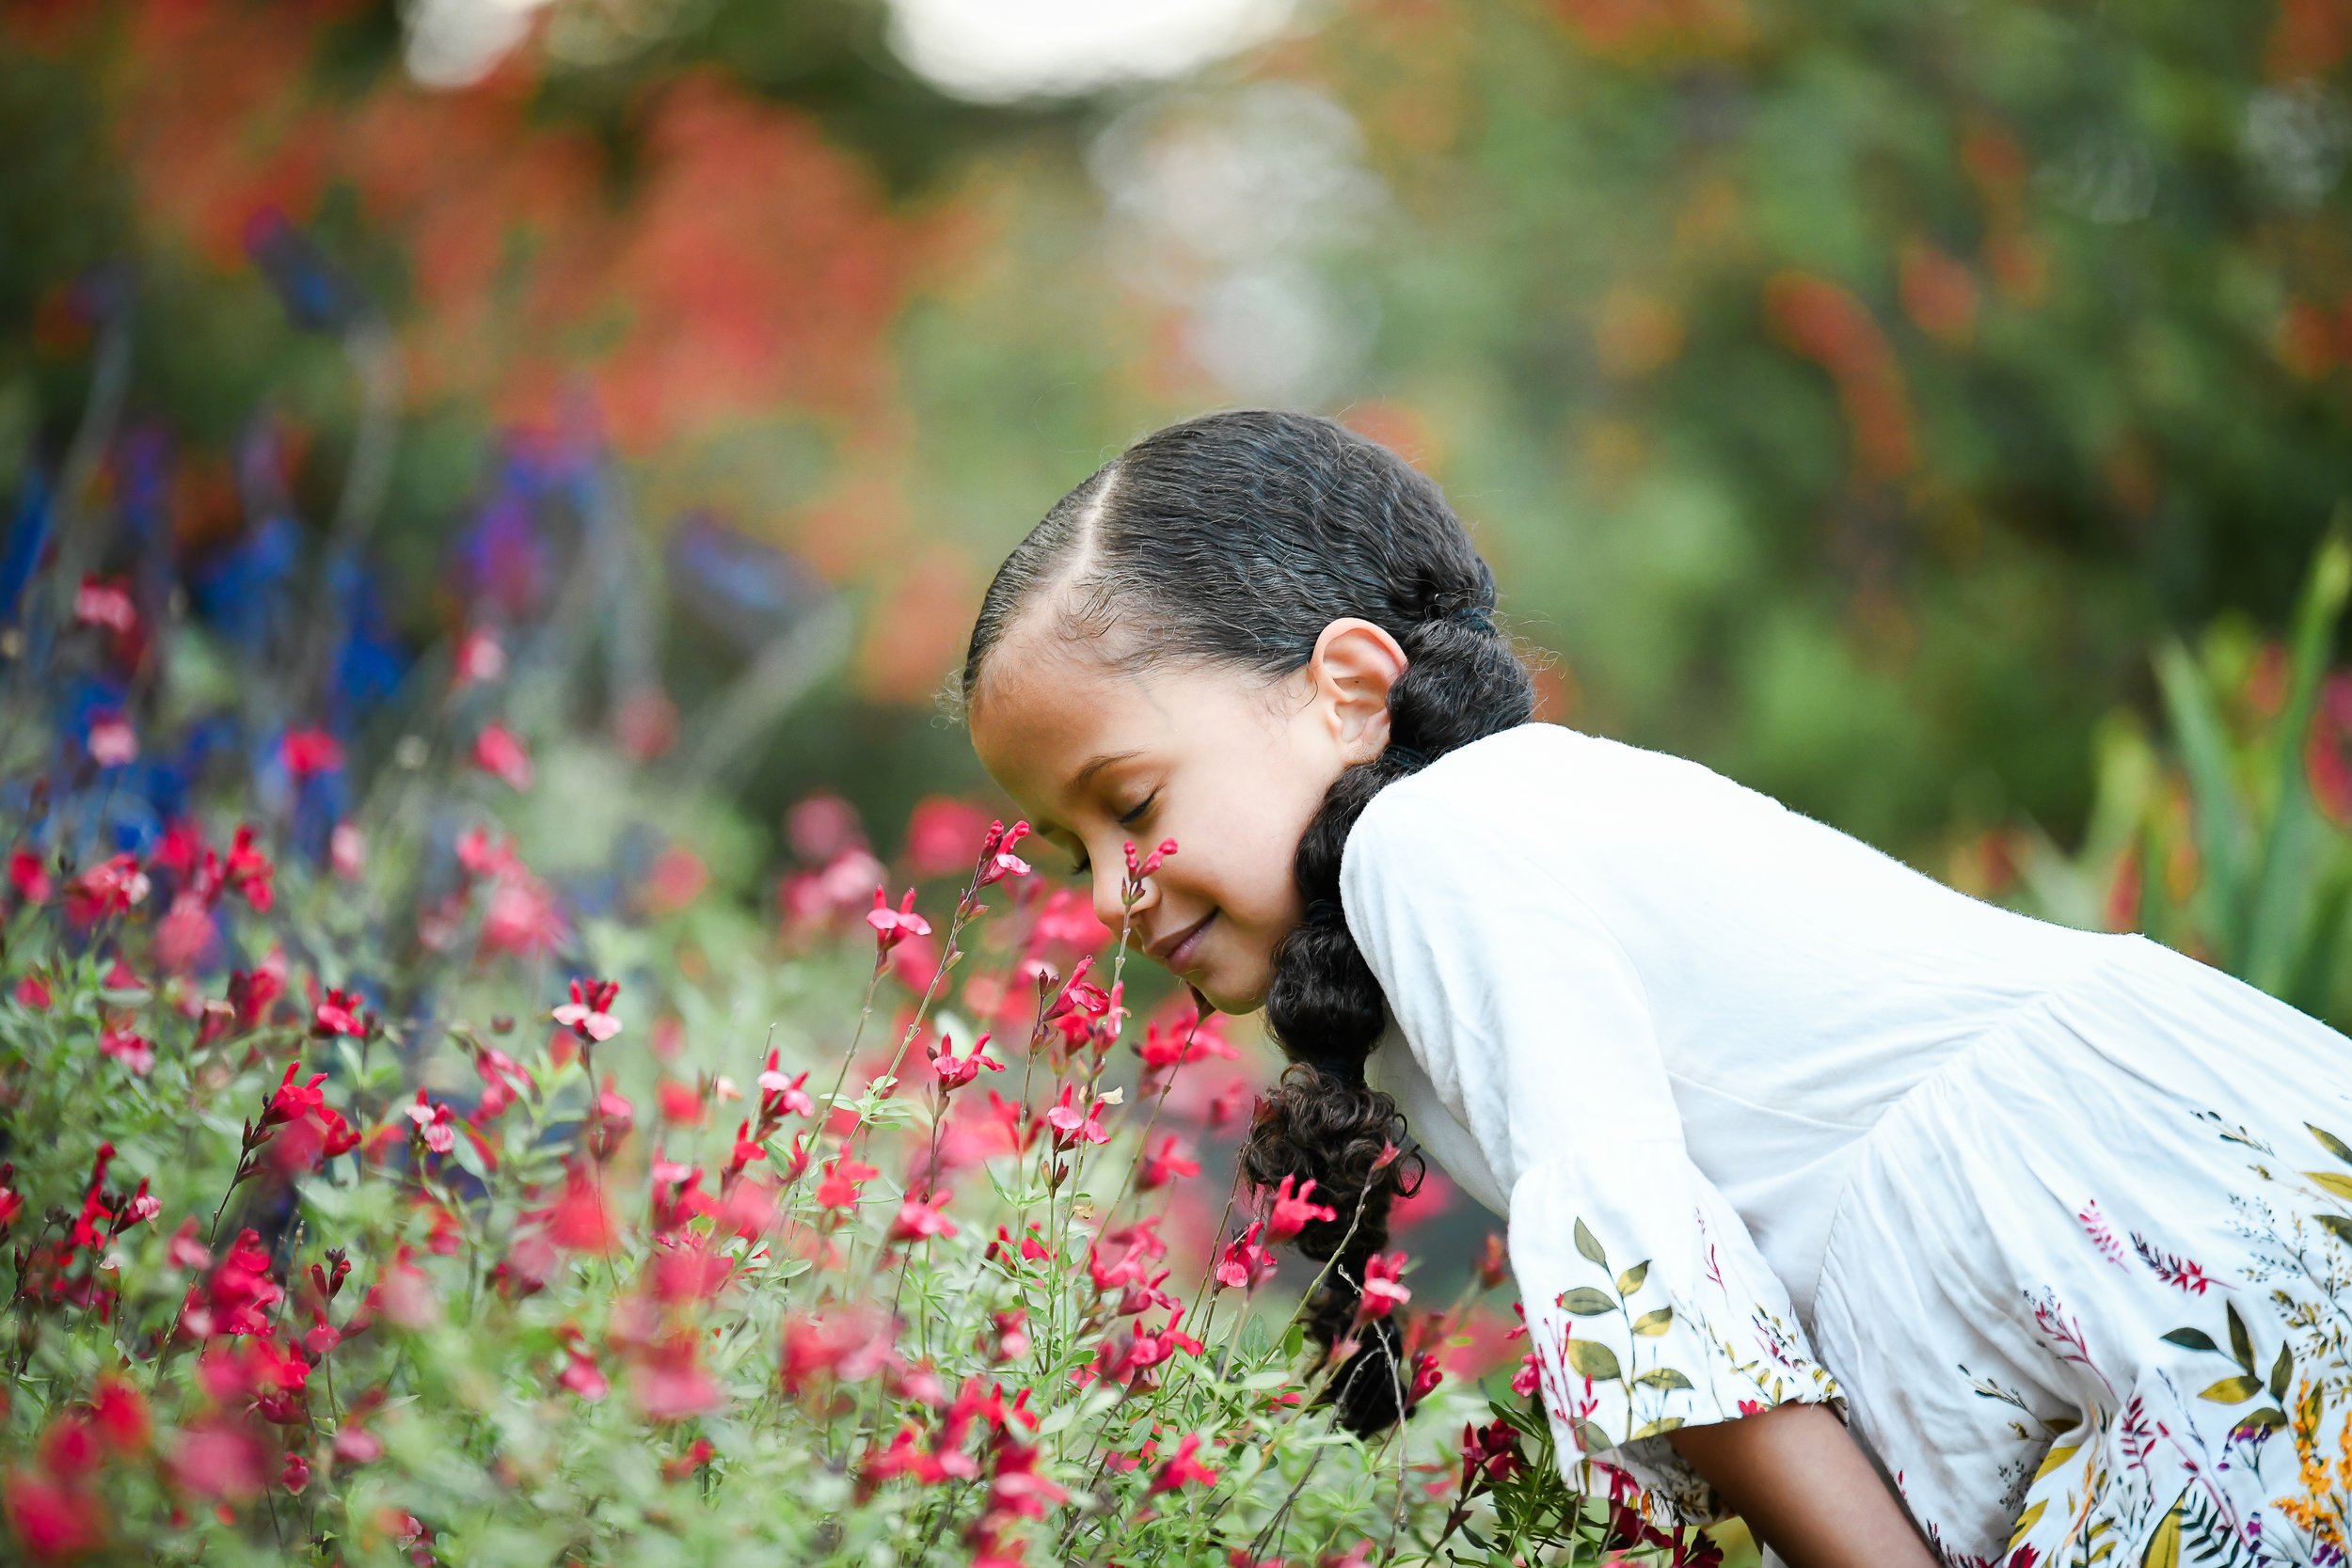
(1129, 820)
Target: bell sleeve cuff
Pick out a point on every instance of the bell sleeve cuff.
(1650, 1309)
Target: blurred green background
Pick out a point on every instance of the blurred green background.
(1849, 394)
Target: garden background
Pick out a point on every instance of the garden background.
(595, 422)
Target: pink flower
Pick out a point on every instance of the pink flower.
(295, 1474)
(105, 602)
(32, 992)
(1071, 1125)
(433, 1124)
(954, 1070)
(1291, 1212)
(347, 851)
(1383, 1293)
(112, 741)
(110, 887)
(997, 861)
(940, 832)
(496, 753)
(586, 1014)
(1245, 1264)
(479, 658)
(892, 927)
(780, 1095)
(919, 1220)
(133, 1050)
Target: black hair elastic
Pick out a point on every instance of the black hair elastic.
(1406, 755)
(1473, 615)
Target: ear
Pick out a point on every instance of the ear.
(1354, 665)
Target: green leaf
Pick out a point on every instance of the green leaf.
(1590, 1247)
(2232, 1391)
(1663, 1377)
(2203, 741)
(1595, 1360)
(2338, 1225)
(2265, 1417)
(1631, 1279)
(2332, 1143)
(2280, 1370)
(1585, 1302)
(1654, 1324)
(2193, 1339)
(2241, 1343)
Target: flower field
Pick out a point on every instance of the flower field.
(370, 1192)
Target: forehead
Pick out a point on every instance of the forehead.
(1047, 707)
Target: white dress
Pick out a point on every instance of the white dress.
(2060, 1221)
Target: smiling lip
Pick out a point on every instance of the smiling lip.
(1185, 941)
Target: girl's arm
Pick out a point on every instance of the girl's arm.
(1805, 1489)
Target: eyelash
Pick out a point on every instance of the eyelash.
(1127, 821)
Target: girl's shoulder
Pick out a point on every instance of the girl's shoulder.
(1527, 772)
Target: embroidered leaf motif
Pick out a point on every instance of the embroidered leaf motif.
(2055, 1458)
(1585, 1302)
(2338, 1185)
(2164, 1548)
(1589, 1245)
(1631, 1279)
(2265, 1417)
(2339, 1225)
(2241, 1343)
(2280, 1370)
(1654, 1324)
(1651, 1428)
(2232, 1391)
(2332, 1143)
(2026, 1520)
(1592, 1437)
(1595, 1360)
(2193, 1339)
(1665, 1378)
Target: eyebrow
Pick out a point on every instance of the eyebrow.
(1078, 781)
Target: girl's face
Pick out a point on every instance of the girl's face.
(1228, 767)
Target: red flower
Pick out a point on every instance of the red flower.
(52, 1520)
(433, 1124)
(1493, 1265)
(843, 1179)
(1173, 1162)
(249, 871)
(578, 1220)
(112, 742)
(920, 1219)
(587, 1014)
(1181, 1469)
(997, 861)
(32, 992)
(1245, 1264)
(133, 1050)
(892, 927)
(780, 1096)
(954, 1070)
(1383, 1293)
(292, 1101)
(496, 753)
(308, 752)
(339, 1013)
(1071, 1125)
(28, 876)
(1291, 1212)
(110, 887)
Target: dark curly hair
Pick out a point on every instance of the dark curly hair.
(1232, 540)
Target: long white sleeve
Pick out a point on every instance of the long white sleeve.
(1648, 1304)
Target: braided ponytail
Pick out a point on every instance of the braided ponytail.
(1235, 539)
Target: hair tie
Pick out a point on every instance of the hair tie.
(1473, 615)
(1412, 757)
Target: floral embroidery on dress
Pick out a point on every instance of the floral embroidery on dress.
(1606, 1398)
(2184, 1464)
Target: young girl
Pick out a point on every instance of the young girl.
(1899, 1224)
